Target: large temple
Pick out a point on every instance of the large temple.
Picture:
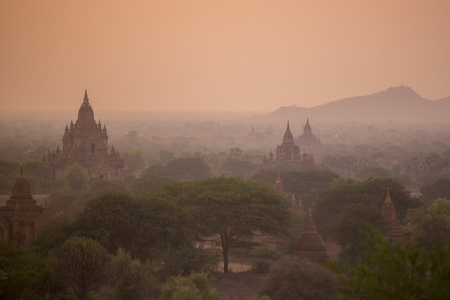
(308, 142)
(288, 150)
(21, 218)
(85, 143)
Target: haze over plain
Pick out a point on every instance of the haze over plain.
(218, 55)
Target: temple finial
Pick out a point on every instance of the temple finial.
(86, 99)
(388, 195)
(21, 172)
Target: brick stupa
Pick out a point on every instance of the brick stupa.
(310, 244)
(394, 232)
(21, 218)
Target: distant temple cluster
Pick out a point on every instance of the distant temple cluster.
(85, 143)
(21, 218)
(289, 150)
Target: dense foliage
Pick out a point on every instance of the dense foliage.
(400, 271)
(370, 192)
(292, 279)
(231, 208)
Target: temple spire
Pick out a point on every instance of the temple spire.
(86, 99)
(279, 185)
(394, 231)
(388, 196)
(307, 129)
(288, 137)
(310, 244)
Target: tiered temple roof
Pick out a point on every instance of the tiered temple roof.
(85, 143)
(310, 244)
(288, 150)
(279, 185)
(394, 232)
(21, 217)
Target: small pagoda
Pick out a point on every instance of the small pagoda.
(310, 244)
(394, 233)
(21, 218)
(278, 186)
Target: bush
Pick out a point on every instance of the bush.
(131, 278)
(184, 261)
(263, 258)
(196, 286)
(292, 278)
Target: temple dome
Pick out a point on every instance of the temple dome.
(21, 187)
(85, 112)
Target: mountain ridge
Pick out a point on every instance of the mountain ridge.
(401, 104)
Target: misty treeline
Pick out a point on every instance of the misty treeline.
(145, 228)
(414, 153)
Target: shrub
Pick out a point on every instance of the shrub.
(263, 258)
(292, 278)
(196, 286)
(185, 260)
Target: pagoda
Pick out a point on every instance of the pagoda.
(288, 150)
(279, 185)
(310, 244)
(394, 232)
(21, 218)
(308, 142)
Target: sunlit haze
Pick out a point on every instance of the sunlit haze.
(218, 55)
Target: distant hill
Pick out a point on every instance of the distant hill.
(400, 104)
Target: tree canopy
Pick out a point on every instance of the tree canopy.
(231, 208)
(400, 271)
(431, 226)
(305, 185)
(291, 278)
(370, 192)
(75, 177)
(83, 264)
(350, 226)
(135, 225)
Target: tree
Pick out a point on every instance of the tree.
(186, 260)
(135, 159)
(188, 168)
(152, 178)
(349, 228)
(437, 189)
(292, 278)
(34, 171)
(370, 192)
(196, 286)
(83, 264)
(373, 171)
(144, 226)
(8, 173)
(131, 278)
(166, 156)
(431, 225)
(53, 237)
(75, 177)
(232, 208)
(25, 275)
(237, 166)
(400, 271)
(305, 185)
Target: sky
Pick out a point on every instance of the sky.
(209, 55)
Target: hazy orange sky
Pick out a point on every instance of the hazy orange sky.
(218, 55)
